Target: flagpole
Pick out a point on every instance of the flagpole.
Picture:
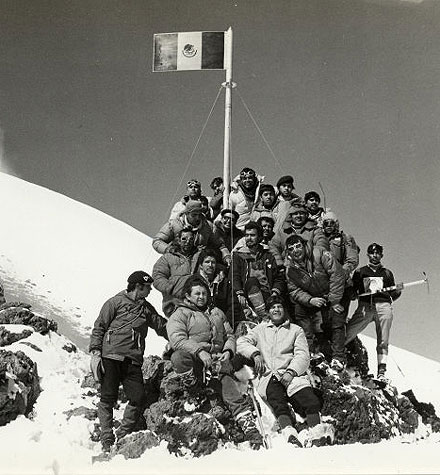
(228, 116)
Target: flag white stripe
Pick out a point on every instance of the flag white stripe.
(189, 51)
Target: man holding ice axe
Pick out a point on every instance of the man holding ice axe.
(370, 283)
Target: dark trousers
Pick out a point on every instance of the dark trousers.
(333, 326)
(130, 375)
(304, 400)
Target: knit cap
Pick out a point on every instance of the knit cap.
(193, 205)
(285, 179)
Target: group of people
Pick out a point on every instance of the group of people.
(272, 261)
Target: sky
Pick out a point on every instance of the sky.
(345, 92)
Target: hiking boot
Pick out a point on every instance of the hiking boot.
(337, 365)
(247, 424)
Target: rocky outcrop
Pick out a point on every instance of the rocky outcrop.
(7, 337)
(20, 313)
(19, 385)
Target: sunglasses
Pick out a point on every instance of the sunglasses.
(328, 222)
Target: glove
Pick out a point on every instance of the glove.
(96, 367)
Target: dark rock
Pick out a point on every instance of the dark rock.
(19, 385)
(89, 382)
(90, 414)
(134, 445)
(426, 410)
(70, 348)
(7, 337)
(14, 312)
(31, 345)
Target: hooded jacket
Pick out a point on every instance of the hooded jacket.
(282, 347)
(122, 326)
(193, 330)
(241, 203)
(309, 231)
(322, 276)
(204, 236)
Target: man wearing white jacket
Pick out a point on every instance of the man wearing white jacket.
(281, 357)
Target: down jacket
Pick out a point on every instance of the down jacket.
(281, 347)
(310, 232)
(122, 326)
(322, 276)
(204, 236)
(193, 330)
(170, 273)
(344, 248)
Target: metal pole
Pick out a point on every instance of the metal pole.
(228, 116)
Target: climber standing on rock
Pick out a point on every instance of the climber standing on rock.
(117, 349)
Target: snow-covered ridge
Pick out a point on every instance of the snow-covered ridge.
(66, 252)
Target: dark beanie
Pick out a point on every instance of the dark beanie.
(375, 247)
(285, 179)
(266, 187)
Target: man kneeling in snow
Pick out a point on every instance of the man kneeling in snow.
(199, 336)
(117, 346)
(281, 356)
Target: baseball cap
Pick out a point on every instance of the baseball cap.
(140, 277)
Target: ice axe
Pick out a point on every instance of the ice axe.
(398, 287)
(264, 434)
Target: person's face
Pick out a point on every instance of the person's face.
(312, 204)
(286, 190)
(198, 296)
(375, 257)
(186, 241)
(218, 188)
(267, 228)
(247, 180)
(228, 220)
(329, 226)
(268, 198)
(208, 265)
(143, 290)
(194, 217)
(277, 313)
(296, 251)
(251, 237)
(299, 217)
(193, 190)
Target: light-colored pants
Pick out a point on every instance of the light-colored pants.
(381, 313)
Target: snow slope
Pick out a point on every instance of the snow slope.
(65, 259)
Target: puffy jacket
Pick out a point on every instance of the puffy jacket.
(170, 273)
(204, 236)
(344, 248)
(281, 347)
(239, 202)
(310, 232)
(122, 326)
(193, 330)
(322, 277)
(242, 259)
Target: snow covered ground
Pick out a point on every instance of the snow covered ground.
(65, 259)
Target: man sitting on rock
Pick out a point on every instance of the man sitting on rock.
(280, 354)
(200, 338)
(171, 270)
(117, 347)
